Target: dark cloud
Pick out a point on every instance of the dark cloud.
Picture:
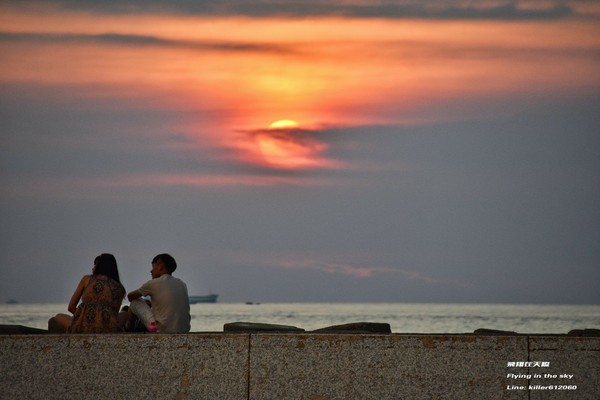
(415, 50)
(440, 9)
(143, 40)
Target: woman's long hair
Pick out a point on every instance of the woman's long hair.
(106, 264)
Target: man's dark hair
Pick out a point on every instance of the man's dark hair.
(166, 259)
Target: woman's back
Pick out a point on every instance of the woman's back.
(99, 308)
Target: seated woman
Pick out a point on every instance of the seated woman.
(101, 295)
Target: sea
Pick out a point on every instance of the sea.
(402, 317)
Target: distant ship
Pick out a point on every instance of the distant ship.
(209, 298)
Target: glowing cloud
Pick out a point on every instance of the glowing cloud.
(284, 147)
(223, 75)
(363, 271)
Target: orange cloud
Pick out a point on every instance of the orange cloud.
(232, 75)
(285, 149)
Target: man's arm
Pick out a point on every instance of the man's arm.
(136, 294)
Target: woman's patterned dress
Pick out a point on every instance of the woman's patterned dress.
(99, 308)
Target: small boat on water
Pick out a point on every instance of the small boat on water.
(209, 298)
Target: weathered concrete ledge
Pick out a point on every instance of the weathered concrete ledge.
(297, 366)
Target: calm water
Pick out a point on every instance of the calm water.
(403, 318)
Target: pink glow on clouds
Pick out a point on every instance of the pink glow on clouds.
(258, 71)
(199, 180)
(78, 187)
(361, 271)
(335, 268)
(229, 75)
(285, 149)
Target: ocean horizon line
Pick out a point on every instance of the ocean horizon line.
(259, 302)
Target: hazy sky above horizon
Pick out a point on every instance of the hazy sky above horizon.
(441, 151)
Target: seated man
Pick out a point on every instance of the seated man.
(170, 306)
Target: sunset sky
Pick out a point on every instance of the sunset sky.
(356, 151)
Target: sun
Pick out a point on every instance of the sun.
(284, 124)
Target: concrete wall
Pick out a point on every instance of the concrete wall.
(295, 366)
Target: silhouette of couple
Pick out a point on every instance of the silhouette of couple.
(96, 301)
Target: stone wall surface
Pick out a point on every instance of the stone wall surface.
(382, 367)
(294, 366)
(579, 357)
(124, 367)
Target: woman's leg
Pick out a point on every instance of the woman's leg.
(60, 323)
